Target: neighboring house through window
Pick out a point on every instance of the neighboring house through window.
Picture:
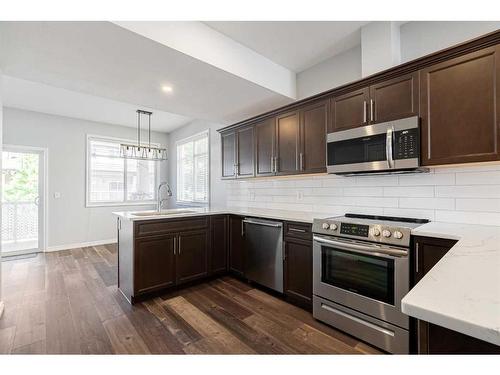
(112, 180)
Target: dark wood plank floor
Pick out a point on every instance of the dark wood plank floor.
(67, 303)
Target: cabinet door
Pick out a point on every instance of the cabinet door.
(427, 252)
(218, 244)
(394, 99)
(313, 123)
(349, 110)
(192, 255)
(264, 147)
(460, 105)
(228, 157)
(287, 143)
(236, 246)
(245, 152)
(154, 263)
(298, 271)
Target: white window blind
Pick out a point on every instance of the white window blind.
(112, 180)
(193, 169)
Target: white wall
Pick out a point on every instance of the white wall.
(336, 71)
(1, 143)
(380, 47)
(454, 194)
(419, 38)
(69, 221)
(217, 186)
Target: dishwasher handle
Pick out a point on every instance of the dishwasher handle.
(264, 223)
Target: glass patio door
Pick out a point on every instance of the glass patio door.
(22, 200)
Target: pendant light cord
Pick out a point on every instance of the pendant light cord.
(149, 131)
(138, 129)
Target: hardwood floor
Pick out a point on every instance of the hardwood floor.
(67, 303)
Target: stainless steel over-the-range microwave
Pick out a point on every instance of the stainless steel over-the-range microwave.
(386, 147)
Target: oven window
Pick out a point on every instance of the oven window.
(367, 275)
(358, 150)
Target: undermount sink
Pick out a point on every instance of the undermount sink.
(162, 213)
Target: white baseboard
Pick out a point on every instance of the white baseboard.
(2, 306)
(81, 244)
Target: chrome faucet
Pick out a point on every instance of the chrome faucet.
(160, 201)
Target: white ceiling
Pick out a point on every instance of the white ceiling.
(296, 45)
(107, 61)
(101, 71)
(39, 97)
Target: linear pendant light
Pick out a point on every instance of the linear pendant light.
(139, 151)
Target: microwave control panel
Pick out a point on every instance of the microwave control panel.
(406, 144)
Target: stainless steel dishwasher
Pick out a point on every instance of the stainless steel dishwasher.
(264, 252)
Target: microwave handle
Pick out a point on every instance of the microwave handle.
(389, 147)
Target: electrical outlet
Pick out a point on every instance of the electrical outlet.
(300, 195)
(57, 195)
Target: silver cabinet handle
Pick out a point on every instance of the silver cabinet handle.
(301, 161)
(272, 164)
(242, 229)
(276, 164)
(174, 244)
(179, 249)
(364, 111)
(372, 109)
(297, 230)
(416, 258)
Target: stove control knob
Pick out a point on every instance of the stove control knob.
(398, 235)
(376, 232)
(333, 226)
(386, 233)
(326, 225)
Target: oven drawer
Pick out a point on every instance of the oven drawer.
(376, 332)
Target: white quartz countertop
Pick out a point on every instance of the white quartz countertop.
(304, 217)
(462, 291)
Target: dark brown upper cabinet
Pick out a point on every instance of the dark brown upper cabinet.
(154, 263)
(245, 152)
(394, 99)
(349, 110)
(228, 149)
(287, 143)
(192, 255)
(313, 127)
(460, 109)
(265, 138)
(218, 244)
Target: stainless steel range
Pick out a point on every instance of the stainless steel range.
(360, 274)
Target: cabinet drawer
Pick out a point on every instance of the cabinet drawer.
(146, 228)
(298, 230)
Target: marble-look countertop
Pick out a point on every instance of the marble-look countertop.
(304, 217)
(462, 291)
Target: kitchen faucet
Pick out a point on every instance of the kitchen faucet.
(160, 201)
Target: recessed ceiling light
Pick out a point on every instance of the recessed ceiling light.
(166, 88)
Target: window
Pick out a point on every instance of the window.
(112, 180)
(192, 169)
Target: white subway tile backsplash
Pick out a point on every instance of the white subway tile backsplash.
(409, 191)
(428, 203)
(479, 178)
(465, 194)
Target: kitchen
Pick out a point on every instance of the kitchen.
(360, 215)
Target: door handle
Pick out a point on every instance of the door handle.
(174, 245)
(364, 111)
(416, 258)
(301, 161)
(179, 249)
(372, 109)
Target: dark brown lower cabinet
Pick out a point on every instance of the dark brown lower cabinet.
(154, 263)
(192, 256)
(218, 244)
(236, 246)
(298, 272)
(430, 338)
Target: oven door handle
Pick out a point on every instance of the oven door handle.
(363, 249)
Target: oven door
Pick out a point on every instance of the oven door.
(367, 277)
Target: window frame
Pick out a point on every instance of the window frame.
(88, 202)
(183, 141)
